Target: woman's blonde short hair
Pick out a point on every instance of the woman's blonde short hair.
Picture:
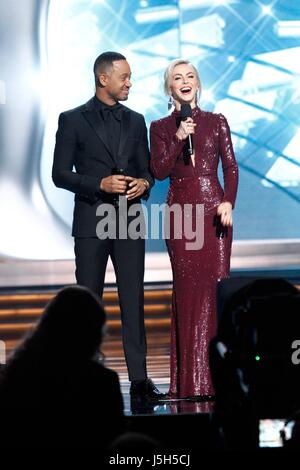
(169, 71)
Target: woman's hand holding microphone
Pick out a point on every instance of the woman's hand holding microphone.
(186, 128)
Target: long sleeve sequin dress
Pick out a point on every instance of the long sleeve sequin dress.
(195, 271)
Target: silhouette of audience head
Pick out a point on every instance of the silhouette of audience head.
(71, 327)
(131, 443)
(250, 358)
(53, 383)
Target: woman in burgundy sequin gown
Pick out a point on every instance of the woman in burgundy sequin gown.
(194, 180)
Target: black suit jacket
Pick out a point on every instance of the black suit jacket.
(81, 143)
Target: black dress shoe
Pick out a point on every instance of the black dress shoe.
(145, 390)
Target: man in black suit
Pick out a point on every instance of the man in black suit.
(107, 144)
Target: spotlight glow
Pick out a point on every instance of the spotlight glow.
(266, 9)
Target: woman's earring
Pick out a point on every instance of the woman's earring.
(170, 103)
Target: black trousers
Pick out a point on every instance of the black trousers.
(91, 256)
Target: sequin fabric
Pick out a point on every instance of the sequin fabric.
(195, 272)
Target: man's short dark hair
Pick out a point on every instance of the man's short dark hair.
(104, 62)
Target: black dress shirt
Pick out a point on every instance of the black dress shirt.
(111, 116)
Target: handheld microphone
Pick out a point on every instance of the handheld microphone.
(117, 171)
(186, 112)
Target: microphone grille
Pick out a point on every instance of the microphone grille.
(186, 111)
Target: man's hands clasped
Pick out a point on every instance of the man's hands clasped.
(127, 185)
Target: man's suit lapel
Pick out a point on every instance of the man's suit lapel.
(93, 117)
